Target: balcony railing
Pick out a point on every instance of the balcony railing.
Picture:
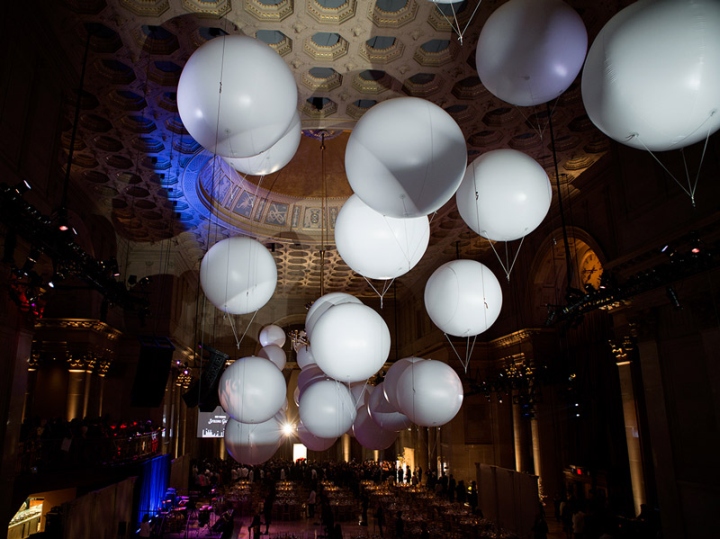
(37, 456)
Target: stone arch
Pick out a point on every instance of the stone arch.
(548, 276)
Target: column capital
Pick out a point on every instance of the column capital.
(623, 350)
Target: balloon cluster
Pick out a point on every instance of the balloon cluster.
(252, 392)
(349, 343)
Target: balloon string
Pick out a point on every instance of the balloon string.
(689, 193)
(468, 350)
(477, 6)
(385, 288)
(234, 330)
(456, 25)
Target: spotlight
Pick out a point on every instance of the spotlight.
(672, 296)
(22, 187)
(288, 429)
(695, 245)
(32, 259)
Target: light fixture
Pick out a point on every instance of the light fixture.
(673, 297)
(22, 187)
(31, 260)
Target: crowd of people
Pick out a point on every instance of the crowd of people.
(587, 518)
(50, 444)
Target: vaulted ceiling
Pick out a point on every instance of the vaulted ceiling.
(134, 157)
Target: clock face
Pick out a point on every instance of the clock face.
(591, 270)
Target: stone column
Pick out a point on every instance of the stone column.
(90, 362)
(76, 388)
(535, 432)
(103, 369)
(623, 359)
(345, 441)
(520, 438)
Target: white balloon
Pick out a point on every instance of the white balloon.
(272, 334)
(252, 444)
(651, 79)
(386, 416)
(326, 408)
(322, 304)
(405, 157)
(252, 390)
(238, 275)
(361, 392)
(275, 354)
(305, 357)
(275, 157)
(257, 102)
(504, 195)
(377, 246)
(312, 442)
(392, 376)
(430, 393)
(530, 51)
(369, 434)
(463, 298)
(351, 342)
(309, 375)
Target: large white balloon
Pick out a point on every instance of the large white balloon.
(322, 304)
(651, 79)
(430, 393)
(252, 390)
(377, 246)
(272, 334)
(504, 195)
(257, 102)
(383, 413)
(463, 298)
(369, 434)
(305, 357)
(275, 157)
(238, 275)
(351, 342)
(275, 354)
(326, 408)
(252, 444)
(392, 376)
(405, 157)
(312, 442)
(530, 51)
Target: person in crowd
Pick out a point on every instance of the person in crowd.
(461, 492)
(473, 496)
(451, 486)
(311, 500)
(254, 527)
(228, 525)
(424, 532)
(145, 527)
(399, 525)
(540, 527)
(337, 531)
(380, 519)
(267, 510)
(578, 524)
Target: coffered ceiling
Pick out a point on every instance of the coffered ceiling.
(133, 156)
